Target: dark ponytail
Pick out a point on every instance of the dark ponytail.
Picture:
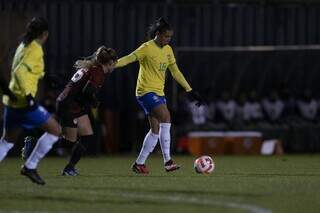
(159, 26)
(34, 29)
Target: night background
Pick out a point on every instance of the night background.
(243, 56)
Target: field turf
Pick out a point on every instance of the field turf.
(288, 183)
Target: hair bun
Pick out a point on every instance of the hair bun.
(104, 54)
(100, 49)
(161, 20)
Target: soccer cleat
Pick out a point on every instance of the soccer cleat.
(29, 144)
(170, 166)
(32, 174)
(70, 172)
(140, 168)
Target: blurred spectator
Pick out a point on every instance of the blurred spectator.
(182, 113)
(308, 106)
(239, 117)
(211, 111)
(273, 106)
(289, 104)
(252, 109)
(226, 107)
(248, 109)
(199, 114)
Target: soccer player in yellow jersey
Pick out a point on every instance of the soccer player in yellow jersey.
(24, 112)
(155, 57)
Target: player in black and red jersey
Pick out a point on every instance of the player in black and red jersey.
(76, 100)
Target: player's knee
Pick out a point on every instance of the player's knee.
(53, 127)
(69, 136)
(165, 118)
(59, 131)
(56, 130)
(155, 130)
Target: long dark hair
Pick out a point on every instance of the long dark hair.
(102, 56)
(160, 26)
(34, 29)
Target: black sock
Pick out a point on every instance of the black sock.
(78, 150)
(65, 143)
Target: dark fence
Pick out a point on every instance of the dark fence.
(244, 71)
(79, 27)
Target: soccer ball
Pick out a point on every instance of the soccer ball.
(204, 165)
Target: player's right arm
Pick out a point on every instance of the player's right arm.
(126, 60)
(136, 55)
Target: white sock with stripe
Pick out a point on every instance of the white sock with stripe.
(43, 146)
(149, 143)
(165, 138)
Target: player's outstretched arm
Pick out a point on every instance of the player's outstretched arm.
(126, 60)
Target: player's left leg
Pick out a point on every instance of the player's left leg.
(150, 140)
(162, 114)
(149, 143)
(29, 144)
(70, 135)
(52, 132)
(79, 149)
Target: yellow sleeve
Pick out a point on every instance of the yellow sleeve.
(138, 54)
(171, 58)
(141, 52)
(126, 60)
(20, 77)
(178, 76)
(34, 59)
(30, 69)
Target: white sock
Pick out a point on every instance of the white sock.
(165, 140)
(149, 143)
(5, 146)
(43, 146)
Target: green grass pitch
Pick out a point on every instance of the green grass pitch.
(289, 183)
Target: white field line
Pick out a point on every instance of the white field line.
(189, 200)
(172, 199)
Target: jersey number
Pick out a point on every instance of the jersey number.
(163, 67)
(77, 76)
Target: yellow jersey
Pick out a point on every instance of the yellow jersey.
(27, 69)
(154, 61)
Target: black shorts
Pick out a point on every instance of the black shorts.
(68, 118)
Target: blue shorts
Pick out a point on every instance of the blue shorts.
(150, 101)
(24, 118)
